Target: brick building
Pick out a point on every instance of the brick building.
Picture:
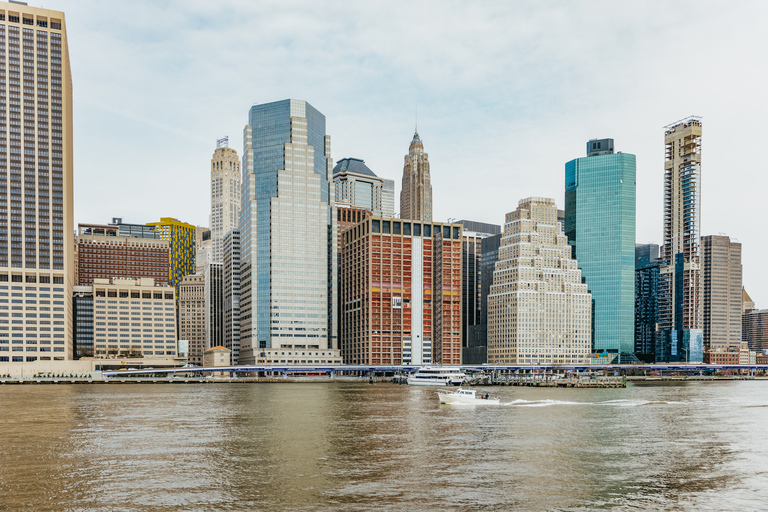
(104, 253)
(400, 288)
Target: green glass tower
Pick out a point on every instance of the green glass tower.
(600, 225)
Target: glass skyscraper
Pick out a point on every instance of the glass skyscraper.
(600, 225)
(288, 237)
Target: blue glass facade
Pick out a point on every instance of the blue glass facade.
(684, 345)
(286, 229)
(600, 225)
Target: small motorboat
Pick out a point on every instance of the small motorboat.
(466, 396)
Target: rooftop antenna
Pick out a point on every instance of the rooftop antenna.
(417, 119)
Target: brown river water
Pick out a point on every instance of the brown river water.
(357, 446)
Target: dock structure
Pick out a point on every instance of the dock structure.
(559, 380)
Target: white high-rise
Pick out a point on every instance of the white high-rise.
(225, 196)
(539, 312)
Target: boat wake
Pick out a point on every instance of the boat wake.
(608, 403)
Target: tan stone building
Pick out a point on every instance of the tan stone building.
(192, 315)
(416, 194)
(225, 196)
(721, 292)
(539, 312)
(133, 317)
(36, 203)
(217, 356)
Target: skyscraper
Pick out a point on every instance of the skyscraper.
(600, 225)
(646, 301)
(474, 296)
(232, 293)
(36, 210)
(722, 297)
(356, 185)
(288, 235)
(416, 194)
(225, 196)
(680, 273)
(538, 309)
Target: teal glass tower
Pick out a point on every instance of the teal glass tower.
(600, 225)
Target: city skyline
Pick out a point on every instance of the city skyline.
(502, 90)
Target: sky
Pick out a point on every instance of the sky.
(507, 92)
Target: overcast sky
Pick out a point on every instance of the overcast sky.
(507, 92)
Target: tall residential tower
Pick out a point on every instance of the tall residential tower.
(680, 273)
(288, 236)
(36, 210)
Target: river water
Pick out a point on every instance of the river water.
(357, 446)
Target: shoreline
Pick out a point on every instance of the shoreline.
(309, 380)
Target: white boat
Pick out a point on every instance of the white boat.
(466, 396)
(437, 376)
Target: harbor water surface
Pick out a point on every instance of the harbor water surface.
(356, 446)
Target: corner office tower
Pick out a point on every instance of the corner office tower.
(680, 274)
(288, 238)
(36, 217)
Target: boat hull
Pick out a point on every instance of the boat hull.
(453, 398)
(415, 381)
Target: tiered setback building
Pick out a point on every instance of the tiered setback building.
(721, 301)
(357, 186)
(416, 194)
(36, 210)
(288, 238)
(400, 283)
(104, 253)
(539, 312)
(600, 225)
(225, 198)
(680, 318)
(192, 315)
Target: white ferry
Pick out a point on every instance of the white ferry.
(437, 376)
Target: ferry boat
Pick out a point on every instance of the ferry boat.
(466, 396)
(437, 376)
